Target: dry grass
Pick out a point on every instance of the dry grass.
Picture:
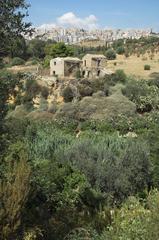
(134, 65)
(92, 43)
(23, 68)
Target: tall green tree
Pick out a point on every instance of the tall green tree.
(58, 50)
(36, 48)
(12, 14)
(12, 25)
(18, 48)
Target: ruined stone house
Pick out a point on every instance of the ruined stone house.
(94, 65)
(65, 67)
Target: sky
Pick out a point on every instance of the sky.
(124, 14)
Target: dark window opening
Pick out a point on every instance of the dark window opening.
(98, 63)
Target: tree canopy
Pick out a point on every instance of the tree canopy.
(12, 14)
(58, 50)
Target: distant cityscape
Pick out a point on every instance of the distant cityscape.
(75, 35)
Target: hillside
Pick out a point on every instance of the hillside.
(134, 65)
(79, 129)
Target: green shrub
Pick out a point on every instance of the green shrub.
(120, 50)
(1, 63)
(106, 89)
(118, 167)
(119, 76)
(126, 54)
(97, 107)
(43, 104)
(31, 89)
(154, 82)
(110, 54)
(52, 107)
(81, 234)
(78, 74)
(85, 90)
(101, 84)
(46, 62)
(147, 67)
(34, 62)
(144, 96)
(17, 61)
(68, 94)
(134, 220)
(44, 92)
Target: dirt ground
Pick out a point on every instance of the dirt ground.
(134, 65)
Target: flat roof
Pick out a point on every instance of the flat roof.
(68, 59)
(95, 56)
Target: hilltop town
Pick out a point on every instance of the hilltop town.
(79, 121)
(75, 35)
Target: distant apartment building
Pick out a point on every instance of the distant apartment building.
(75, 35)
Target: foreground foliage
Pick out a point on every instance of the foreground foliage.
(71, 178)
(89, 172)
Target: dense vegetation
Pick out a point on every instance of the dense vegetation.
(84, 169)
(74, 178)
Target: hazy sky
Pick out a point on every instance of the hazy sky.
(96, 13)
